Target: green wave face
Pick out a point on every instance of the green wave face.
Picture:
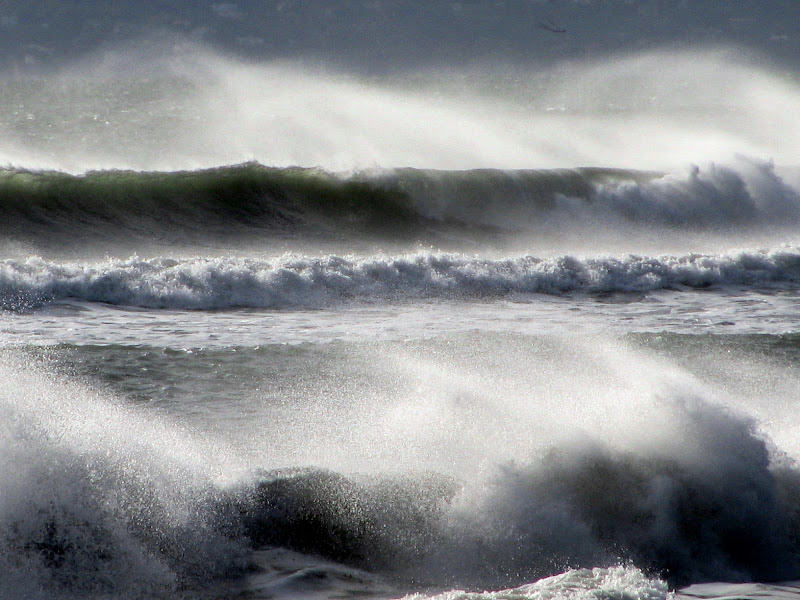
(415, 206)
(249, 194)
(254, 196)
(55, 209)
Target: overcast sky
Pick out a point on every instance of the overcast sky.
(390, 35)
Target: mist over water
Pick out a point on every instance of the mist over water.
(185, 107)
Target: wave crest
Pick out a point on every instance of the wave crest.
(254, 202)
(292, 282)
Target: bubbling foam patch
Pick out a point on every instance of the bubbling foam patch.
(310, 282)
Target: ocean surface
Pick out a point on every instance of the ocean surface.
(268, 331)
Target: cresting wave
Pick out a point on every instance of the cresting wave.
(265, 196)
(102, 499)
(304, 282)
(199, 203)
(404, 203)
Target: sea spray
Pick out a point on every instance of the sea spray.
(486, 462)
(573, 457)
(183, 106)
(562, 455)
(99, 499)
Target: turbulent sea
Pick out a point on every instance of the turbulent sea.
(533, 341)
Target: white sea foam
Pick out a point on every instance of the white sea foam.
(615, 583)
(741, 193)
(291, 281)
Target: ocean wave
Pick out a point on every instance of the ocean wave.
(413, 204)
(718, 505)
(284, 198)
(141, 509)
(743, 193)
(298, 282)
(105, 499)
(153, 204)
(100, 501)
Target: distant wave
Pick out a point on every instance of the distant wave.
(279, 198)
(409, 203)
(741, 194)
(297, 282)
(205, 202)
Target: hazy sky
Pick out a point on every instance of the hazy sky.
(389, 35)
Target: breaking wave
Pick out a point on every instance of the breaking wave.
(405, 203)
(292, 282)
(102, 501)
